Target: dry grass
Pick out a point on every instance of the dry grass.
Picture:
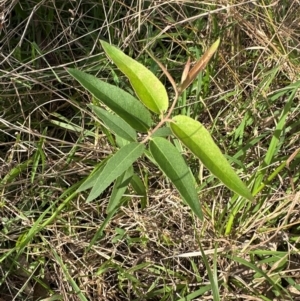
(47, 230)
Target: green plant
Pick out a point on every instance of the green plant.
(125, 116)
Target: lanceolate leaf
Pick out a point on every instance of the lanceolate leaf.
(195, 137)
(173, 165)
(115, 123)
(119, 189)
(162, 132)
(92, 178)
(119, 101)
(189, 76)
(146, 85)
(139, 187)
(115, 166)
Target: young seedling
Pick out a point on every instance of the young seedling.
(131, 115)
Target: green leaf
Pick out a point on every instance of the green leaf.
(115, 166)
(121, 142)
(115, 123)
(119, 189)
(119, 101)
(162, 132)
(196, 138)
(173, 165)
(146, 85)
(92, 178)
(139, 187)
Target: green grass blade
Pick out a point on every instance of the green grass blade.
(260, 272)
(72, 282)
(64, 123)
(197, 293)
(14, 172)
(39, 157)
(212, 274)
(99, 234)
(273, 147)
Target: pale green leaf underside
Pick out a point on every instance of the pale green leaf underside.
(119, 101)
(115, 123)
(196, 138)
(173, 165)
(146, 85)
(115, 166)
